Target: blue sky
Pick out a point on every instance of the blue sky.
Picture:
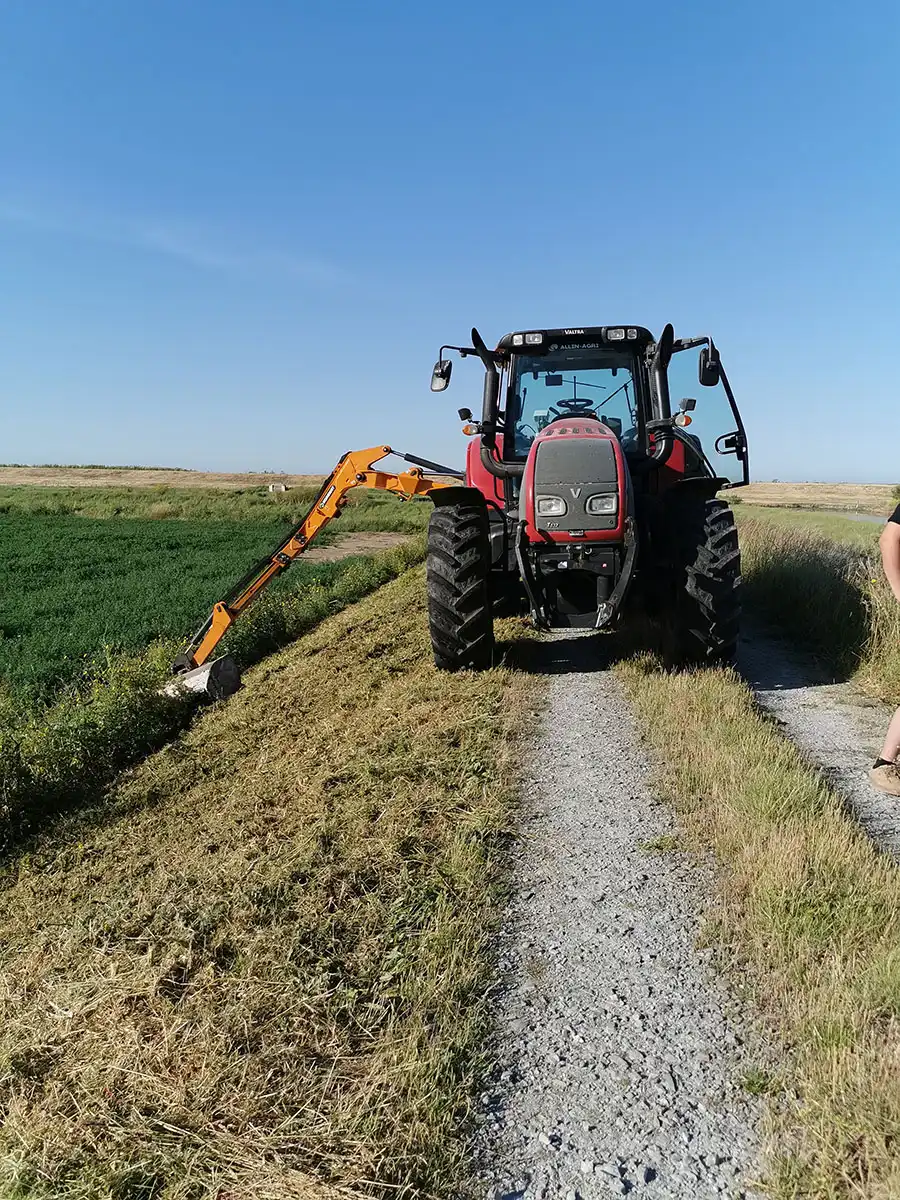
(233, 235)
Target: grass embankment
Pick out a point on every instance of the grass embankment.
(56, 754)
(829, 595)
(258, 969)
(809, 916)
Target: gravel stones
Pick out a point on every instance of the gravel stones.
(620, 1053)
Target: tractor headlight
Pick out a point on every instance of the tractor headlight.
(551, 506)
(603, 505)
(533, 339)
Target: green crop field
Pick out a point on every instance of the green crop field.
(84, 573)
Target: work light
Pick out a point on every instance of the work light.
(605, 505)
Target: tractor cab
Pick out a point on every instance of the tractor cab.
(668, 400)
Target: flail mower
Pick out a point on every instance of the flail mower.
(585, 496)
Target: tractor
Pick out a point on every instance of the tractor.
(584, 497)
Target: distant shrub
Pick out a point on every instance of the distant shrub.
(162, 511)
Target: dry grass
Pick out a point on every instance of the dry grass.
(257, 969)
(809, 913)
(828, 595)
(145, 477)
(857, 497)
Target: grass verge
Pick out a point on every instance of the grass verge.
(60, 754)
(259, 969)
(810, 914)
(827, 595)
(837, 528)
(366, 509)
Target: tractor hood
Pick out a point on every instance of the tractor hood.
(574, 486)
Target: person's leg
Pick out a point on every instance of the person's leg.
(885, 775)
(890, 751)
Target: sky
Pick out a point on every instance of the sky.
(233, 235)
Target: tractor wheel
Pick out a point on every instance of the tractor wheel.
(707, 603)
(459, 602)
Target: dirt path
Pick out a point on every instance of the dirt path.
(354, 543)
(839, 728)
(620, 1054)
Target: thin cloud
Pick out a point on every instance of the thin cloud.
(189, 244)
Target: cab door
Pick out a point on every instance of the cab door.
(696, 374)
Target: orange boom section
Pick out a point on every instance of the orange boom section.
(355, 469)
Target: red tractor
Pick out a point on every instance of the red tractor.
(585, 494)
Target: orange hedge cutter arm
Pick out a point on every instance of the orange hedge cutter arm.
(355, 469)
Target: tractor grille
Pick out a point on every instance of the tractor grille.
(575, 469)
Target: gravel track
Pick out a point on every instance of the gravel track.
(620, 1052)
(838, 728)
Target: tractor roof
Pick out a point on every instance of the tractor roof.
(535, 341)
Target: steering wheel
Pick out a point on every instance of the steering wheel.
(578, 404)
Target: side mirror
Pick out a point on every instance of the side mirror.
(688, 404)
(440, 376)
(709, 367)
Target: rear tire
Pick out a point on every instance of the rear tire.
(707, 603)
(459, 602)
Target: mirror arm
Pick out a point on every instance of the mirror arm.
(462, 351)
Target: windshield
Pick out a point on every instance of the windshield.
(571, 382)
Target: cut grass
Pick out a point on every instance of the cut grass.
(810, 913)
(258, 969)
(829, 596)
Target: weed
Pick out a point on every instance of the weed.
(666, 843)
(758, 1082)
